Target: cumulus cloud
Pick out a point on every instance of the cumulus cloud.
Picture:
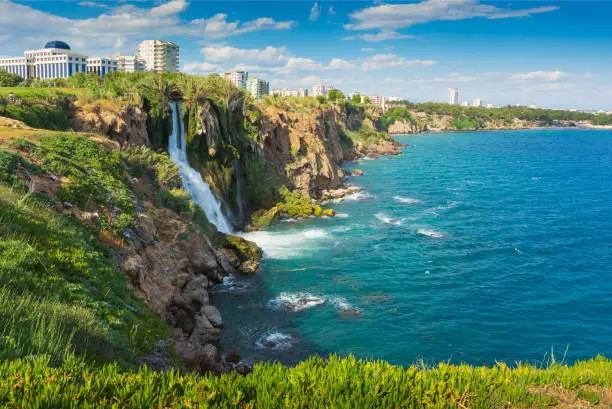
(122, 24)
(391, 17)
(383, 35)
(331, 11)
(315, 12)
(539, 76)
(200, 68)
(223, 54)
(92, 4)
(385, 61)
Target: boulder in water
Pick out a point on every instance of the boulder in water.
(242, 254)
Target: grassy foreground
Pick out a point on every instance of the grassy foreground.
(315, 383)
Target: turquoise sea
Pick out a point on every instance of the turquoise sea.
(470, 247)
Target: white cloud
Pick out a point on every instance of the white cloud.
(200, 68)
(539, 76)
(384, 61)
(331, 11)
(93, 4)
(367, 50)
(222, 54)
(120, 25)
(217, 26)
(391, 17)
(315, 12)
(384, 35)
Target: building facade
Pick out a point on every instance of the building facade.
(302, 92)
(101, 66)
(55, 60)
(257, 87)
(318, 90)
(378, 100)
(159, 56)
(477, 102)
(238, 78)
(129, 63)
(453, 96)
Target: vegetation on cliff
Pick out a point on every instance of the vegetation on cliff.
(477, 117)
(314, 383)
(292, 204)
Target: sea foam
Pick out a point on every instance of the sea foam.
(430, 233)
(407, 200)
(275, 340)
(386, 219)
(286, 245)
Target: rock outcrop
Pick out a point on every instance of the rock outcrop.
(126, 124)
(308, 145)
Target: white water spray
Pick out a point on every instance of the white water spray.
(192, 180)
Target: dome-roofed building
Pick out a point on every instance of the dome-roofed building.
(57, 44)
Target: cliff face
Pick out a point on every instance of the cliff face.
(425, 122)
(308, 146)
(124, 123)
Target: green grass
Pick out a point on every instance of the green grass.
(366, 135)
(314, 383)
(60, 294)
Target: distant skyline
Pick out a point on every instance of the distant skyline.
(548, 53)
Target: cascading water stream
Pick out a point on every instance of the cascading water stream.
(192, 180)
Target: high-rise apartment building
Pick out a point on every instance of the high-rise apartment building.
(302, 92)
(238, 78)
(159, 56)
(319, 89)
(129, 63)
(378, 100)
(477, 102)
(257, 87)
(453, 96)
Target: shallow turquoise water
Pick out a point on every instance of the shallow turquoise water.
(470, 247)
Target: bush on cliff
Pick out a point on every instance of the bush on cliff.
(292, 204)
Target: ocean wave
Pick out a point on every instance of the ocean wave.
(430, 233)
(275, 340)
(231, 285)
(296, 301)
(287, 244)
(342, 215)
(301, 301)
(407, 200)
(386, 219)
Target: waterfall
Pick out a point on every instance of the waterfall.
(192, 180)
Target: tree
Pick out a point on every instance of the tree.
(321, 99)
(356, 99)
(8, 79)
(366, 100)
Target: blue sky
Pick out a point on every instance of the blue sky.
(548, 53)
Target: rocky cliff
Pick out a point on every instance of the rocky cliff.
(122, 122)
(308, 145)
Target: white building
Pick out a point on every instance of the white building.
(101, 66)
(55, 60)
(465, 104)
(378, 100)
(453, 96)
(490, 106)
(319, 89)
(257, 87)
(477, 102)
(302, 92)
(129, 63)
(159, 56)
(276, 91)
(238, 78)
